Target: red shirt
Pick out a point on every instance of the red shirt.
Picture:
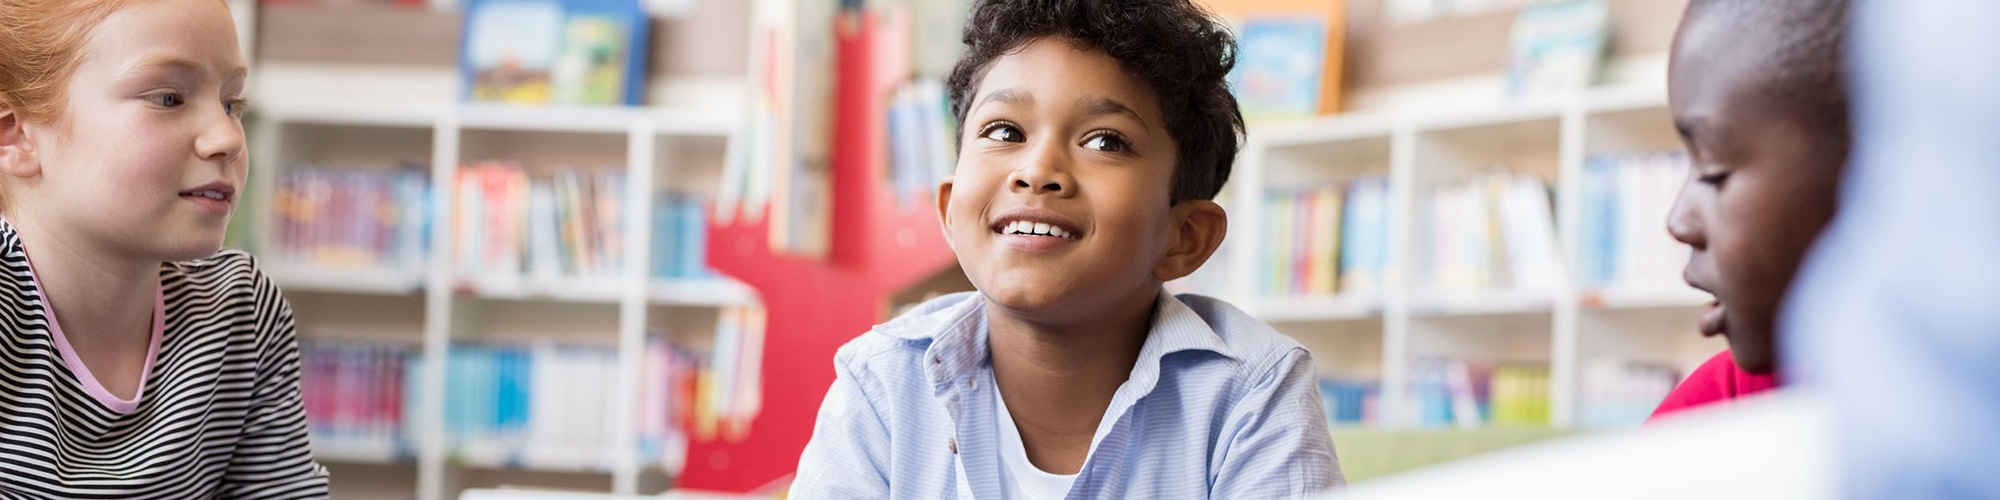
(1718, 380)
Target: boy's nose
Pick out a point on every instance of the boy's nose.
(1042, 178)
(1684, 221)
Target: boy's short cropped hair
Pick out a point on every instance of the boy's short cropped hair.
(1179, 50)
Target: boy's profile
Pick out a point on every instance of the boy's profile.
(1094, 135)
(1757, 93)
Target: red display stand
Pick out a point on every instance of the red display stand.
(816, 305)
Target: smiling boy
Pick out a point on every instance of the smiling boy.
(1094, 136)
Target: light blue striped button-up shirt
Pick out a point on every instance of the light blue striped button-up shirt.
(1218, 405)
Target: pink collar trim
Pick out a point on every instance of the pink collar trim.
(90, 384)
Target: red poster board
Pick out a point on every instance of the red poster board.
(816, 305)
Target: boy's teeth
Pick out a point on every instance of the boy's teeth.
(1041, 228)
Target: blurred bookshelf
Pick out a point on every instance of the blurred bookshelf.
(1595, 315)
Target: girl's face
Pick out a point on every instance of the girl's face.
(147, 157)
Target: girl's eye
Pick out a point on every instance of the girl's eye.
(1107, 142)
(234, 107)
(166, 99)
(1003, 132)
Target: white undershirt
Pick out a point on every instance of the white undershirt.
(1021, 478)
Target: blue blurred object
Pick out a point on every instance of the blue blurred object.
(1896, 316)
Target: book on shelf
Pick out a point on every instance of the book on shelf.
(359, 396)
(575, 52)
(680, 237)
(1325, 239)
(1556, 47)
(361, 217)
(1492, 232)
(565, 224)
(1626, 200)
(1622, 393)
(1364, 253)
(920, 141)
(1304, 239)
(518, 405)
(1350, 402)
(1464, 394)
(1279, 66)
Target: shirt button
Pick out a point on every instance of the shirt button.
(953, 443)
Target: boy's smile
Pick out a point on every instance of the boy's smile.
(1031, 229)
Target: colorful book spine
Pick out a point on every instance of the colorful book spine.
(1464, 394)
(352, 217)
(355, 396)
(567, 224)
(1493, 232)
(1626, 201)
(1350, 402)
(680, 237)
(1364, 236)
(1308, 230)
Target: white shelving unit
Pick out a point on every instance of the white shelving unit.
(433, 307)
(1378, 337)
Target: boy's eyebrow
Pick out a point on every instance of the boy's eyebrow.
(1691, 128)
(1095, 106)
(1008, 96)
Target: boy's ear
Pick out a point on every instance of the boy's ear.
(1198, 229)
(17, 153)
(943, 208)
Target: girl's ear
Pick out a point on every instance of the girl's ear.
(1198, 229)
(17, 152)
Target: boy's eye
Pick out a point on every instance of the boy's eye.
(1107, 142)
(1003, 132)
(235, 107)
(1713, 180)
(166, 99)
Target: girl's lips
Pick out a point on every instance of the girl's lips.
(1714, 319)
(210, 205)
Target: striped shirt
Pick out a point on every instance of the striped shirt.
(217, 414)
(1218, 405)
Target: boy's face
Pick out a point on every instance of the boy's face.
(1061, 142)
(148, 153)
(1762, 186)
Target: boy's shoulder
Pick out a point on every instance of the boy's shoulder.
(1256, 346)
(912, 332)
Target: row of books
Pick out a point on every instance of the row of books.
(522, 405)
(1350, 402)
(1458, 393)
(358, 397)
(565, 224)
(680, 237)
(1623, 393)
(1493, 232)
(1327, 239)
(702, 395)
(921, 150)
(1626, 200)
(352, 217)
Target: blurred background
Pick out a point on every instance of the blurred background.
(610, 246)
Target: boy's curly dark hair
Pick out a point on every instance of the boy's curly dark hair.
(1175, 47)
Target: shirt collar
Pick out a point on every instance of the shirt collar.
(956, 328)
